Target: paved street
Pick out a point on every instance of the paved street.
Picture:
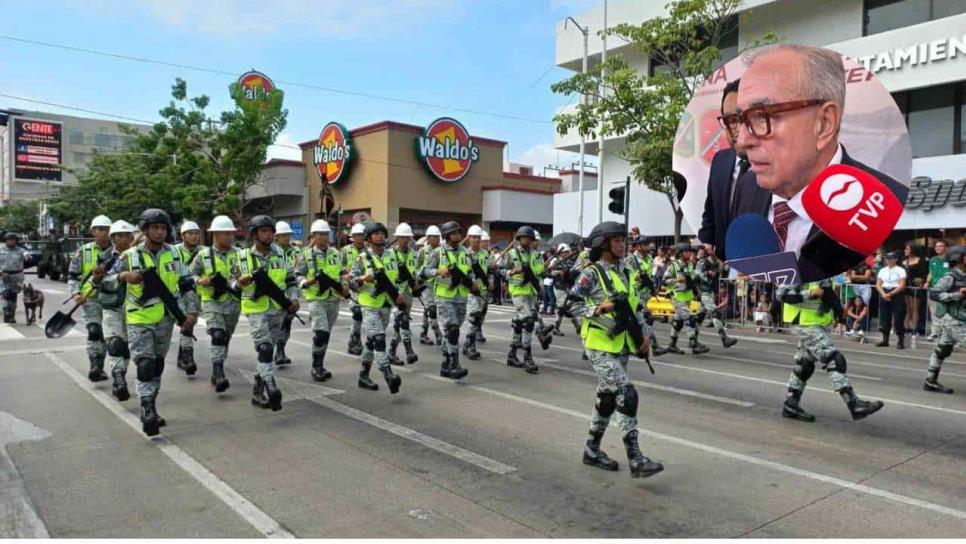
(496, 455)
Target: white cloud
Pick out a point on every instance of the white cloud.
(545, 154)
(285, 147)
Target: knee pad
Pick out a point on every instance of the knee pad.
(453, 334)
(117, 347)
(94, 332)
(944, 350)
(517, 326)
(431, 312)
(145, 368)
(629, 406)
(320, 338)
(356, 313)
(218, 337)
(379, 342)
(265, 350)
(402, 321)
(804, 368)
(606, 403)
(677, 324)
(839, 362)
(158, 366)
(528, 323)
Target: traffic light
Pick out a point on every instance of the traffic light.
(617, 195)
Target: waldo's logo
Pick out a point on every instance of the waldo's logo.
(446, 149)
(255, 85)
(334, 153)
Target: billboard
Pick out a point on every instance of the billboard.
(37, 150)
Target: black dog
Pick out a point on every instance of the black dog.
(33, 303)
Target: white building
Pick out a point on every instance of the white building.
(917, 48)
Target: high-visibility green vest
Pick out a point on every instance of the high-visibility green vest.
(277, 271)
(518, 285)
(350, 254)
(408, 259)
(329, 263)
(375, 264)
(807, 313)
(459, 257)
(168, 265)
(213, 261)
(291, 255)
(187, 255)
(684, 294)
(89, 253)
(593, 330)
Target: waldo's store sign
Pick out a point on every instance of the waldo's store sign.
(255, 85)
(447, 150)
(333, 153)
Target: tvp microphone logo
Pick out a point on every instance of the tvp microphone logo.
(852, 207)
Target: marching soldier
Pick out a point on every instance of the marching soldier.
(13, 259)
(149, 321)
(487, 256)
(264, 313)
(82, 265)
(561, 268)
(429, 295)
(283, 237)
(706, 275)
(373, 275)
(452, 268)
(110, 294)
(401, 317)
(680, 276)
(189, 247)
(350, 254)
(811, 310)
(523, 268)
(601, 284)
(220, 305)
(640, 270)
(319, 274)
(950, 296)
(476, 303)
(544, 332)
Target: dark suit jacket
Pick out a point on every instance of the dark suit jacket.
(716, 215)
(821, 257)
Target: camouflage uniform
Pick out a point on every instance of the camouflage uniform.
(638, 268)
(375, 320)
(291, 258)
(349, 254)
(428, 298)
(323, 305)
(951, 312)
(110, 296)
(88, 256)
(706, 274)
(561, 290)
(401, 317)
(680, 276)
(12, 260)
(476, 303)
(221, 316)
(186, 346)
(452, 311)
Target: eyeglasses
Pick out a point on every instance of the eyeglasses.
(758, 118)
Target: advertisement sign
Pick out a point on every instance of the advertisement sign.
(447, 150)
(256, 85)
(37, 150)
(333, 154)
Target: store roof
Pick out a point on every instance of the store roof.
(283, 162)
(415, 129)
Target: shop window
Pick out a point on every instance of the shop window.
(947, 8)
(75, 137)
(931, 117)
(885, 15)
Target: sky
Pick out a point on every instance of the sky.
(492, 56)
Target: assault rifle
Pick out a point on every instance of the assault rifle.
(831, 302)
(154, 287)
(459, 278)
(323, 281)
(219, 286)
(383, 285)
(625, 320)
(407, 277)
(265, 286)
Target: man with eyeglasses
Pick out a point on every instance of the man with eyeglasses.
(788, 118)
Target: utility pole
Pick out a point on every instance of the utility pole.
(583, 100)
(600, 131)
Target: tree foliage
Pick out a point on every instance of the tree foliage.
(20, 217)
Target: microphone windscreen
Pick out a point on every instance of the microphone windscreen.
(750, 235)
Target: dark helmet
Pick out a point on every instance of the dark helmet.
(258, 222)
(372, 228)
(605, 231)
(526, 231)
(449, 227)
(956, 254)
(681, 248)
(11, 235)
(154, 215)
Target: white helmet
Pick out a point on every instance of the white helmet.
(485, 236)
(433, 230)
(189, 226)
(536, 235)
(221, 223)
(358, 228)
(319, 225)
(101, 221)
(474, 230)
(403, 229)
(120, 226)
(283, 228)
(563, 247)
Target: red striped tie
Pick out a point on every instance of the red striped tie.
(783, 215)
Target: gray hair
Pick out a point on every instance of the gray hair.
(823, 74)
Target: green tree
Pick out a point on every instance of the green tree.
(646, 109)
(20, 217)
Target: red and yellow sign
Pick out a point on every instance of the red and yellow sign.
(256, 85)
(333, 153)
(447, 150)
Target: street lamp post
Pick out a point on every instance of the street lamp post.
(600, 131)
(583, 98)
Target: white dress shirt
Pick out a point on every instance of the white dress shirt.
(890, 276)
(801, 225)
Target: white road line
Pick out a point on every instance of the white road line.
(41, 351)
(258, 519)
(759, 339)
(860, 488)
(18, 517)
(7, 332)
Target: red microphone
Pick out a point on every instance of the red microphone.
(852, 207)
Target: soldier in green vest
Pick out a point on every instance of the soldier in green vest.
(486, 255)
(350, 254)
(428, 299)
(602, 284)
(82, 265)
(561, 268)
(373, 274)
(949, 293)
(110, 295)
(680, 276)
(641, 271)
(401, 316)
(220, 306)
(523, 268)
(451, 268)
(811, 310)
(476, 302)
(283, 238)
(149, 322)
(706, 275)
(319, 274)
(189, 247)
(264, 314)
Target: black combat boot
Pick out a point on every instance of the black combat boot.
(319, 373)
(189, 362)
(511, 358)
(528, 364)
(697, 348)
(480, 339)
(444, 366)
(545, 336)
(364, 381)
(792, 410)
(119, 388)
(857, 407)
(281, 359)
(593, 455)
(258, 393)
(932, 384)
(273, 394)
(392, 380)
(149, 417)
(393, 359)
(884, 343)
(901, 341)
(726, 340)
(641, 466)
(456, 372)
(411, 356)
(470, 348)
(8, 316)
(96, 373)
(218, 379)
(424, 338)
(672, 347)
(355, 344)
(181, 360)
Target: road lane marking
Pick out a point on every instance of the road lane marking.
(41, 351)
(759, 340)
(18, 517)
(257, 518)
(8, 332)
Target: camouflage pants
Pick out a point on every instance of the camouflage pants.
(572, 307)
(430, 322)
(150, 342)
(475, 307)
(9, 287)
(283, 337)
(682, 313)
(951, 332)
(401, 319)
(710, 307)
(642, 313)
(185, 342)
(814, 346)
(94, 313)
(611, 369)
(322, 317)
(115, 326)
(524, 320)
(452, 313)
(220, 316)
(265, 328)
(375, 321)
(355, 329)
